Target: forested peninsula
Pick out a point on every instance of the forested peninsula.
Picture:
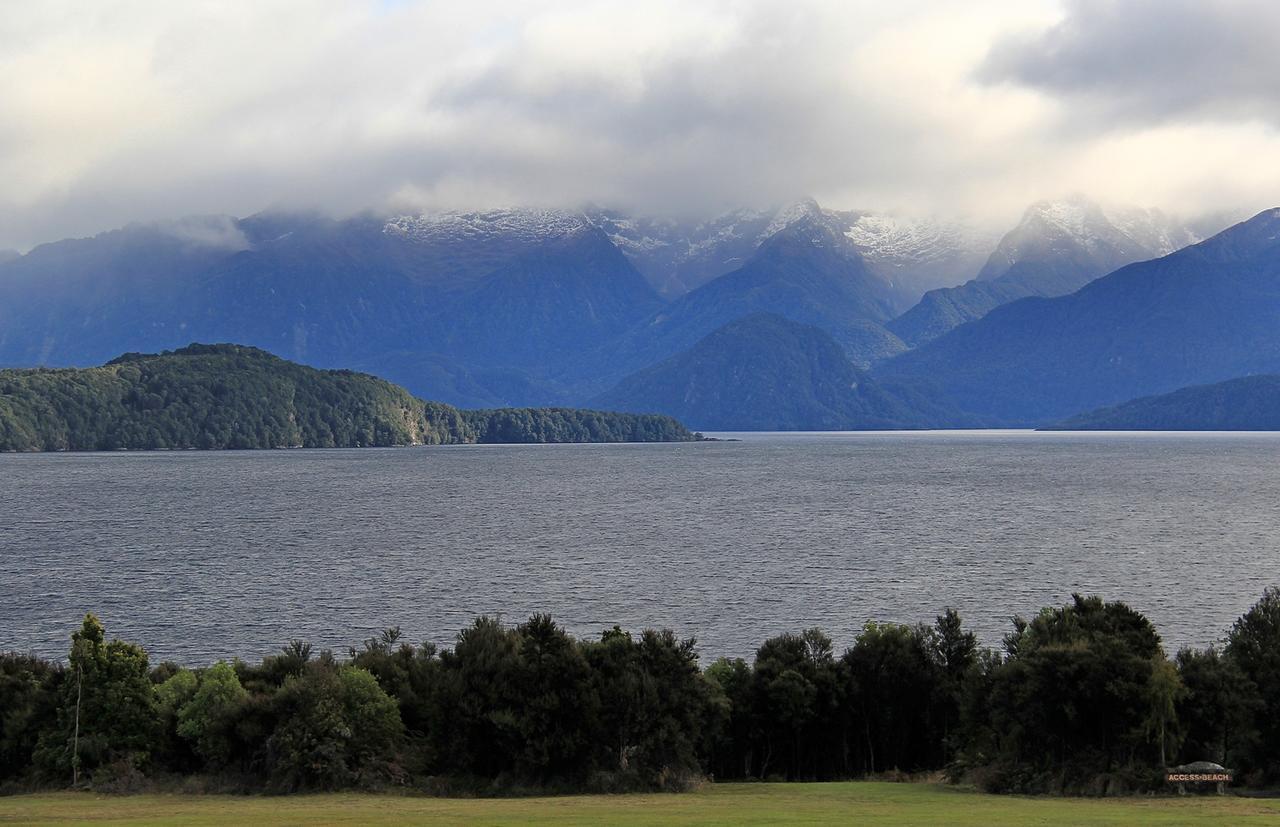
(228, 396)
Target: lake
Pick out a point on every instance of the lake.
(200, 556)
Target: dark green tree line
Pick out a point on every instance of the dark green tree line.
(1081, 698)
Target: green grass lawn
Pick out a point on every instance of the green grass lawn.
(727, 804)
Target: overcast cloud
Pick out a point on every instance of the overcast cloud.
(1153, 61)
(119, 111)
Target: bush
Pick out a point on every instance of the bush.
(1254, 648)
(1084, 693)
(29, 688)
(208, 716)
(108, 710)
(336, 728)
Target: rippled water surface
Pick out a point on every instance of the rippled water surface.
(207, 555)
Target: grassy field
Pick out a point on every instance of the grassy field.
(726, 804)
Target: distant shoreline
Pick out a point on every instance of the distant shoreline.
(714, 436)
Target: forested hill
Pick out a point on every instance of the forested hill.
(1251, 403)
(230, 396)
(767, 373)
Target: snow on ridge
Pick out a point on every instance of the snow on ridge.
(1071, 216)
(724, 229)
(890, 238)
(642, 244)
(902, 241)
(1092, 225)
(688, 240)
(1152, 229)
(790, 214)
(677, 255)
(527, 225)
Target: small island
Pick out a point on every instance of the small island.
(228, 396)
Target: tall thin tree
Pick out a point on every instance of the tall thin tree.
(75, 739)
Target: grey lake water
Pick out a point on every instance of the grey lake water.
(200, 556)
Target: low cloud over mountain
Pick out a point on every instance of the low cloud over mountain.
(143, 111)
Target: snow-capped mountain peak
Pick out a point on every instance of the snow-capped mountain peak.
(1074, 216)
(1107, 237)
(806, 209)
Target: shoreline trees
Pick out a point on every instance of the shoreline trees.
(1080, 699)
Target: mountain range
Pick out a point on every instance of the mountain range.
(530, 307)
(1057, 248)
(1203, 314)
(679, 256)
(498, 307)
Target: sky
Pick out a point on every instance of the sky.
(112, 112)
